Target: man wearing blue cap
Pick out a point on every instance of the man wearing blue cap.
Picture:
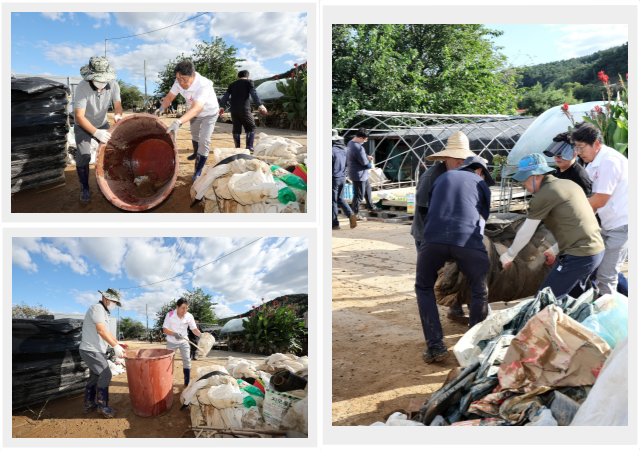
(565, 210)
(564, 154)
(459, 204)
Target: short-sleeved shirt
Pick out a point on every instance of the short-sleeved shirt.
(609, 172)
(456, 201)
(578, 175)
(201, 90)
(338, 159)
(91, 340)
(564, 209)
(94, 102)
(358, 164)
(240, 92)
(176, 324)
(422, 196)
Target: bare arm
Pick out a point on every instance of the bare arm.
(168, 99)
(196, 332)
(83, 122)
(106, 334)
(598, 201)
(117, 108)
(195, 109)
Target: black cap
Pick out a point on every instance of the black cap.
(475, 162)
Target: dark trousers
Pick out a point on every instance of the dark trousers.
(474, 263)
(571, 272)
(337, 186)
(361, 189)
(242, 118)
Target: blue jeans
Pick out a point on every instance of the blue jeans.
(337, 186)
(569, 272)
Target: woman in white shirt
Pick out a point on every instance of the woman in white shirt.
(175, 327)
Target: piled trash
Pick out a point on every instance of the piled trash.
(542, 362)
(286, 152)
(245, 394)
(45, 360)
(238, 182)
(39, 127)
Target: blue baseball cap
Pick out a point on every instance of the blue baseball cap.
(534, 164)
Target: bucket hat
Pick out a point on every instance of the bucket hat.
(335, 136)
(530, 165)
(98, 70)
(111, 294)
(457, 147)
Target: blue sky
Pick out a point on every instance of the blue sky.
(60, 43)
(526, 44)
(64, 274)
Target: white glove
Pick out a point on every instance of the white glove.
(119, 351)
(159, 111)
(506, 259)
(262, 109)
(102, 135)
(116, 118)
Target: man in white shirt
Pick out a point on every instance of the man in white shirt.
(175, 327)
(202, 113)
(609, 172)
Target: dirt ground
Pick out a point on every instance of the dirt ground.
(64, 417)
(66, 198)
(377, 339)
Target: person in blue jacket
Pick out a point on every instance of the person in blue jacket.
(338, 181)
(358, 165)
(459, 204)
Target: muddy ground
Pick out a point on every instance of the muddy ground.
(377, 339)
(64, 417)
(66, 198)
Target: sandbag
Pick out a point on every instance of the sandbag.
(252, 187)
(241, 368)
(225, 395)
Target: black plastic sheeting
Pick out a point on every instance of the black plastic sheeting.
(39, 124)
(46, 362)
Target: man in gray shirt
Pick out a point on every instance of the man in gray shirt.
(95, 340)
(93, 96)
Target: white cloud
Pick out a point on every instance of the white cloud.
(21, 246)
(107, 252)
(97, 25)
(252, 64)
(54, 16)
(289, 63)
(584, 39)
(72, 16)
(55, 256)
(100, 16)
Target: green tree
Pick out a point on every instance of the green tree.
(537, 99)
(130, 95)
(29, 312)
(131, 328)
(425, 68)
(200, 305)
(213, 60)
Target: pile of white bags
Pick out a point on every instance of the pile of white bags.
(278, 361)
(242, 368)
(288, 152)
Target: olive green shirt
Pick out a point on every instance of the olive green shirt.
(564, 209)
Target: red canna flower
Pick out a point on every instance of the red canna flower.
(253, 307)
(627, 76)
(292, 74)
(604, 78)
(566, 107)
(597, 109)
(295, 65)
(276, 77)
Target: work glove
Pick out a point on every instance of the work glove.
(221, 111)
(174, 128)
(102, 135)
(117, 118)
(159, 111)
(119, 351)
(178, 335)
(506, 259)
(262, 109)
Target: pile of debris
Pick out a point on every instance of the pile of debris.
(541, 362)
(249, 397)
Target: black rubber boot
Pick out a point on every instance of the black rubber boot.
(103, 403)
(200, 160)
(83, 177)
(431, 355)
(90, 399)
(249, 141)
(195, 151)
(236, 140)
(187, 376)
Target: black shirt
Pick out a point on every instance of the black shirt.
(192, 336)
(578, 175)
(422, 197)
(240, 91)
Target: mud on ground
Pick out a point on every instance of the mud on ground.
(377, 339)
(66, 198)
(64, 417)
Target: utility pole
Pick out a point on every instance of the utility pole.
(105, 47)
(147, 318)
(145, 103)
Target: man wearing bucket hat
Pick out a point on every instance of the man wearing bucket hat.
(96, 338)
(338, 181)
(452, 157)
(564, 155)
(358, 164)
(94, 93)
(565, 210)
(459, 204)
(202, 114)
(175, 326)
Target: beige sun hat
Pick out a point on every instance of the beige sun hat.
(457, 147)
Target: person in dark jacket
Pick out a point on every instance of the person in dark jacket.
(565, 155)
(358, 164)
(193, 338)
(241, 112)
(459, 204)
(338, 181)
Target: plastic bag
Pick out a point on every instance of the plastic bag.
(205, 342)
(276, 406)
(289, 178)
(225, 396)
(297, 418)
(252, 418)
(612, 321)
(35, 85)
(252, 187)
(241, 368)
(607, 403)
(398, 419)
(543, 418)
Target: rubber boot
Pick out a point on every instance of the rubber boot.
(249, 141)
(236, 140)
(200, 161)
(103, 403)
(90, 399)
(187, 376)
(195, 151)
(83, 177)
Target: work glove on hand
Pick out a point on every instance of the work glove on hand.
(221, 111)
(159, 111)
(102, 135)
(119, 351)
(178, 335)
(174, 128)
(117, 118)
(262, 109)
(506, 259)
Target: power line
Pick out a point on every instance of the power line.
(193, 270)
(125, 37)
(180, 250)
